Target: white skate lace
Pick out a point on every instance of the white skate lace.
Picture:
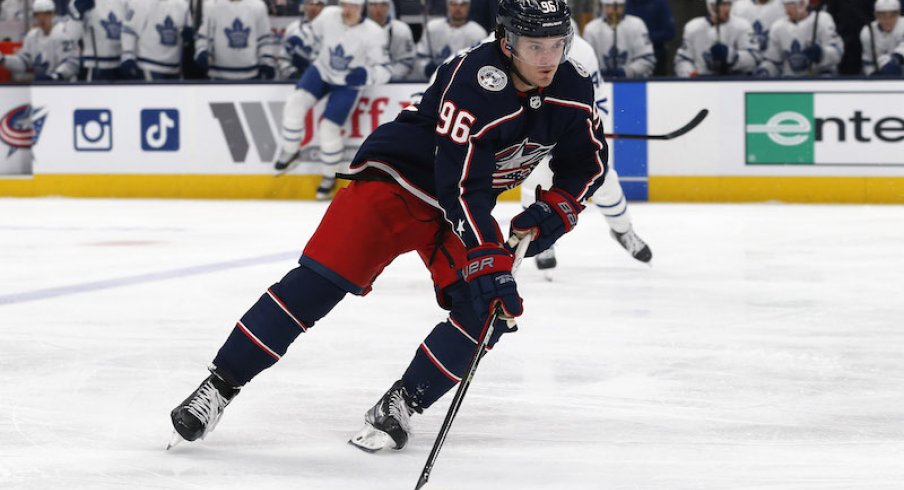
(398, 409)
(632, 242)
(207, 406)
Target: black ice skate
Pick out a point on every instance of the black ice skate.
(387, 424)
(325, 190)
(285, 160)
(633, 244)
(199, 414)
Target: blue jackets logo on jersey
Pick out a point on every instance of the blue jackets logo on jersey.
(515, 163)
(338, 60)
(238, 35)
(169, 33)
(113, 27)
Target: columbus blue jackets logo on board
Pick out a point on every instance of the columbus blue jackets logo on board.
(338, 60)
(21, 127)
(238, 35)
(516, 162)
(492, 78)
(113, 27)
(169, 33)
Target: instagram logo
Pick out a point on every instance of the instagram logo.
(93, 130)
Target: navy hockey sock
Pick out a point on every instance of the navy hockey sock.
(263, 335)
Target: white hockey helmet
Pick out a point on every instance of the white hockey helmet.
(888, 6)
(711, 4)
(352, 2)
(41, 6)
(796, 2)
(612, 2)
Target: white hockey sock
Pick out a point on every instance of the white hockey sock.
(297, 106)
(331, 144)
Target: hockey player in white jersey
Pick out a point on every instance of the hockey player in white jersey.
(609, 198)
(235, 42)
(294, 57)
(12, 10)
(718, 44)
(444, 37)
(622, 42)
(401, 40)
(761, 14)
(350, 53)
(152, 39)
(98, 24)
(804, 43)
(46, 50)
(883, 41)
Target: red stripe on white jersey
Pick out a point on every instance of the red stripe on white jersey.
(284, 308)
(438, 364)
(257, 341)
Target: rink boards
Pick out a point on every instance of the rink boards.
(794, 141)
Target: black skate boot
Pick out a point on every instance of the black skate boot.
(546, 259)
(387, 424)
(198, 415)
(285, 160)
(633, 244)
(325, 189)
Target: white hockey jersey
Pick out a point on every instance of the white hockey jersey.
(787, 41)
(878, 45)
(46, 53)
(339, 48)
(760, 16)
(237, 38)
(693, 57)
(100, 30)
(292, 45)
(626, 46)
(152, 34)
(440, 40)
(401, 49)
(12, 10)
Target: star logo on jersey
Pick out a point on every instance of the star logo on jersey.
(460, 229)
(238, 35)
(515, 163)
(613, 59)
(169, 33)
(761, 34)
(338, 60)
(113, 27)
(796, 57)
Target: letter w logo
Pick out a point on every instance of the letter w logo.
(258, 123)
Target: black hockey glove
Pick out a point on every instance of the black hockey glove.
(554, 214)
(489, 274)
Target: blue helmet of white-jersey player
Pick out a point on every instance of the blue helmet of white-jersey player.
(534, 18)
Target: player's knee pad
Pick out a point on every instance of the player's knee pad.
(263, 334)
(297, 106)
(331, 144)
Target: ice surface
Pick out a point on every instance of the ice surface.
(764, 349)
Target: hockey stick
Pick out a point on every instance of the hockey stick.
(465, 382)
(693, 123)
(872, 46)
(816, 12)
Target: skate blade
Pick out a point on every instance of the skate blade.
(547, 274)
(174, 441)
(371, 440)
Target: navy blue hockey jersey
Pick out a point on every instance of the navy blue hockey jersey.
(473, 136)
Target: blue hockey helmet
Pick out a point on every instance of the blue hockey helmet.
(535, 19)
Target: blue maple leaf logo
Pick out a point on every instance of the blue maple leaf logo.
(297, 46)
(338, 60)
(40, 64)
(761, 34)
(169, 33)
(796, 58)
(613, 59)
(443, 54)
(238, 35)
(113, 27)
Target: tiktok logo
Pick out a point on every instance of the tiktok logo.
(160, 130)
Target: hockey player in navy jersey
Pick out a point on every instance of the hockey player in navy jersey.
(152, 38)
(427, 182)
(350, 52)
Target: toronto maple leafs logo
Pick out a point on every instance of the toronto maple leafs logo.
(21, 127)
(761, 34)
(295, 45)
(443, 54)
(796, 57)
(40, 64)
(338, 60)
(113, 27)
(169, 33)
(515, 163)
(615, 58)
(238, 35)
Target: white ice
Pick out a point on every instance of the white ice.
(764, 349)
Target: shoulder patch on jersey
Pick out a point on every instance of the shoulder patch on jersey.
(579, 67)
(492, 78)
